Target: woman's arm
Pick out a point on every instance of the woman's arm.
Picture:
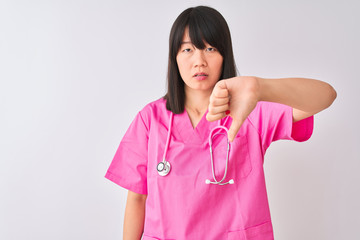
(306, 96)
(134, 216)
(239, 96)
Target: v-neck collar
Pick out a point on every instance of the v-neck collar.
(201, 119)
(188, 133)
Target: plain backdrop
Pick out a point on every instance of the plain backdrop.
(75, 73)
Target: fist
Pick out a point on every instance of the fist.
(236, 97)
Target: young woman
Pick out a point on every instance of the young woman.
(193, 159)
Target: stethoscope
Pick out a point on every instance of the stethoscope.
(164, 167)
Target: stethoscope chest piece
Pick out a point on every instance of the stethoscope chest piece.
(163, 168)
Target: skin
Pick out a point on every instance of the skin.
(134, 216)
(192, 60)
(241, 94)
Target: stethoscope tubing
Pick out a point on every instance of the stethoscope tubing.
(164, 166)
(211, 136)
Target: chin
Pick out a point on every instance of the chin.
(202, 88)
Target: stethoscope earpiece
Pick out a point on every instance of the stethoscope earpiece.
(207, 181)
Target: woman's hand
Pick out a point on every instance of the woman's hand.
(239, 95)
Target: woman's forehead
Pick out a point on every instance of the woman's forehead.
(186, 38)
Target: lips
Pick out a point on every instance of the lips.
(200, 74)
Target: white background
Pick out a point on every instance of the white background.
(74, 74)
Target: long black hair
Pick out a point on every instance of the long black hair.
(205, 24)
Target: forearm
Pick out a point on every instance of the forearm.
(134, 218)
(305, 94)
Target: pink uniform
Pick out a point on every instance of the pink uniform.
(180, 205)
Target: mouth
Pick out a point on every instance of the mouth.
(200, 74)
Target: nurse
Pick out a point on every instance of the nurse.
(208, 106)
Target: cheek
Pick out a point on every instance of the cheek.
(218, 64)
(181, 64)
(178, 62)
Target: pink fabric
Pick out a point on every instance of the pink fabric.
(180, 205)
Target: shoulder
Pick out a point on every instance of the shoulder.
(154, 106)
(153, 110)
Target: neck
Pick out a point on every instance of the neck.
(197, 101)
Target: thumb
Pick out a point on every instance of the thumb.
(234, 129)
(221, 84)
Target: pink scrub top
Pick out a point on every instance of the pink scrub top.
(180, 205)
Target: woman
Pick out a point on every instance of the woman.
(175, 191)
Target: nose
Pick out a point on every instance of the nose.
(199, 58)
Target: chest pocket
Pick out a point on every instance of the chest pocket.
(240, 161)
(263, 231)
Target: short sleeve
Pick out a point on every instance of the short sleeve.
(129, 165)
(274, 121)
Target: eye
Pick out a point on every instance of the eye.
(186, 50)
(211, 49)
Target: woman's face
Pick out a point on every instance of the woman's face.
(200, 69)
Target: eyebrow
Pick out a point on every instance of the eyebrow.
(186, 42)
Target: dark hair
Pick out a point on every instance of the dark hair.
(205, 24)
